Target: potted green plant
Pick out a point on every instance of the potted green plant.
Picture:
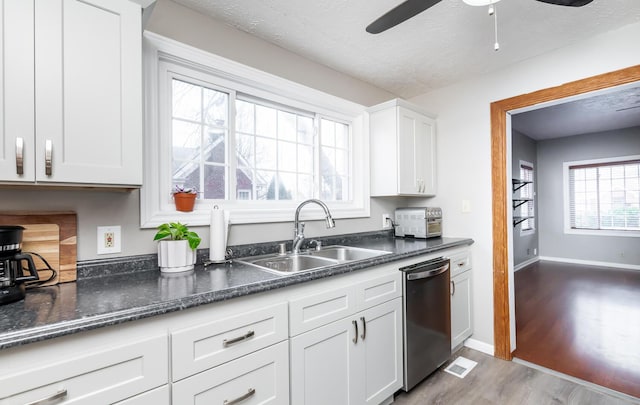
(184, 197)
(176, 247)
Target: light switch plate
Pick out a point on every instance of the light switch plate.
(109, 239)
(466, 206)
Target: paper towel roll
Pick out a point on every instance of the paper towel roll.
(218, 234)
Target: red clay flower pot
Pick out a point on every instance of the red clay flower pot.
(184, 201)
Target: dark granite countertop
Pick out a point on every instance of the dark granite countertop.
(115, 296)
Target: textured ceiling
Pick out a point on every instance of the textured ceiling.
(447, 43)
(609, 110)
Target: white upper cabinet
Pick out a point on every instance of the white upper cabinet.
(87, 95)
(17, 87)
(403, 147)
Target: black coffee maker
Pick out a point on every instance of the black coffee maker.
(15, 267)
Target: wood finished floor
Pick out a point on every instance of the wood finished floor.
(498, 382)
(583, 321)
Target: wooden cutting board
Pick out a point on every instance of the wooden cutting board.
(67, 239)
(43, 239)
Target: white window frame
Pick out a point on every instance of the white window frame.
(155, 204)
(532, 221)
(567, 199)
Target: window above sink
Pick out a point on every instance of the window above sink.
(252, 143)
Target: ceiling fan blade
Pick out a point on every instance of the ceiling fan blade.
(570, 3)
(400, 13)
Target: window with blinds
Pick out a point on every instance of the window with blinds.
(605, 195)
(526, 192)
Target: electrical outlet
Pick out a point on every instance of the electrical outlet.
(386, 221)
(109, 240)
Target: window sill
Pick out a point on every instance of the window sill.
(201, 216)
(603, 232)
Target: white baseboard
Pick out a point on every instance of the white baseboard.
(526, 263)
(480, 346)
(591, 263)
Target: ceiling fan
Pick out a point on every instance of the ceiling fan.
(411, 8)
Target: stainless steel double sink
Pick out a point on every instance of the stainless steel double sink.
(289, 263)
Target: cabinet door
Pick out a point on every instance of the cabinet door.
(323, 367)
(408, 133)
(257, 378)
(381, 346)
(461, 320)
(425, 155)
(16, 90)
(416, 153)
(89, 91)
(207, 345)
(102, 377)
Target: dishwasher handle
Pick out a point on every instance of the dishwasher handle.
(428, 273)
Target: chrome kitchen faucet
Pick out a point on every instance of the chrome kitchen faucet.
(298, 227)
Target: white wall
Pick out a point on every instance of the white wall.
(96, 208)
(554, 242)
(464, 141)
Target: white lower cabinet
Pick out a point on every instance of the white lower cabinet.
(461, 299)
(225, 338)
(381, 344)
(257, 378)
(104, 376)
(355, 360)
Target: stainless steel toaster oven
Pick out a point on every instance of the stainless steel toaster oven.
(418, 222)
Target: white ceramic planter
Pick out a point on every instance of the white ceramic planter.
(175, 256)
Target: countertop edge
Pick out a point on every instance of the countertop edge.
(64, 328)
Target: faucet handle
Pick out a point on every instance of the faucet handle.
(301, 228)
(318, 244)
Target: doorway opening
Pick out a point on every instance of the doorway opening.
(502, 286)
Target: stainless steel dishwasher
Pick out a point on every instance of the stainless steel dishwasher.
(427, 319)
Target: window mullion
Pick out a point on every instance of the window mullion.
(231, 191)
(317, 176)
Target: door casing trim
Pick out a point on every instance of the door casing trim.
(499, 110)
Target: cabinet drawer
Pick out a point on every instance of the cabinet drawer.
(205, 346)
(460, 263)
(158, 396)
(100, 377)
(378, 290)
(257, 378)
(312, 311)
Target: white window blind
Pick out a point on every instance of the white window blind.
(605, 196)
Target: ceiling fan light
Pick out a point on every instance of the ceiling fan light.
(480, 2)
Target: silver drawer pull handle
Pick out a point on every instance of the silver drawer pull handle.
(355, 337)
(249, 393)
(19, 156)
(58, 395)
(453, 288)
(239, 339)
(364, 328)
(48, 161)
